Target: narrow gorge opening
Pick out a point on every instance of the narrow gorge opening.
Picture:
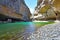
(29, 20)
(31, 4)
(46, 10)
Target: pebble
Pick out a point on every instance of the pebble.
(47, 32)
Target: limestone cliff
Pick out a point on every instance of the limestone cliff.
(50, 9)
(15, 9)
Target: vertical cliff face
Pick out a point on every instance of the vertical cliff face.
(44, 7)
(24, 10)
(55, 3)
(15, 9)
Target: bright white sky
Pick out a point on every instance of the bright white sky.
(31, 4)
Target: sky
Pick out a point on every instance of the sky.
(31, 4)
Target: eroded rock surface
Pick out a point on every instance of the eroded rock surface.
(15, 9)
(49, 9)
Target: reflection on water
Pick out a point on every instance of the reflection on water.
(30, 29)
(19, 30)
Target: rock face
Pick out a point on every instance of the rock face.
(15, 9)
(50, 9)
(47, 32)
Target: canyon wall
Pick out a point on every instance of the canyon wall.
(49, 9)
(15, 9)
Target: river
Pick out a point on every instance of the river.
(19, 30)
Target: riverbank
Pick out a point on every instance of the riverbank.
(10, 30)
(47, 32)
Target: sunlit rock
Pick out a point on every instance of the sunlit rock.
(49, 9)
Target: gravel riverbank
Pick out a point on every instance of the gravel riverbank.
(47, 32)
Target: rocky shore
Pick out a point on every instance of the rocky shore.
(47, 32)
